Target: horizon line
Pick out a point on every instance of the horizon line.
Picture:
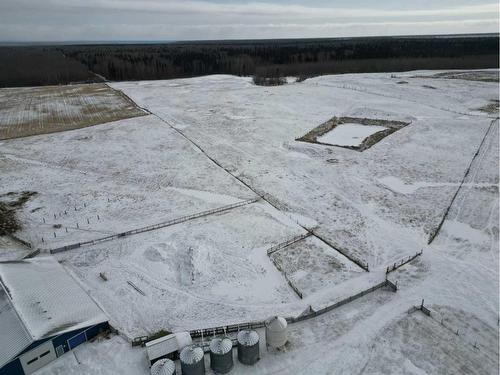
(171, 41)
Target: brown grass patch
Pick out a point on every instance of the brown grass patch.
(41, 110)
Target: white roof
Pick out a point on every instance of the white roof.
(163, 367)
(14, 337)
(46, 298)
(276, 323)
(167, 344)
(248, 338)
(221, 345)
(191, 354)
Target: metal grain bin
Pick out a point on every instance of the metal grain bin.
(163, 367)
(221, 355)
(248, 347)
(192, 360)
(276, 332)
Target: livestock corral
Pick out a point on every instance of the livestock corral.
(212, 204)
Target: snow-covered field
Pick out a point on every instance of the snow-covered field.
(40, 110)
(217, 140)
(250, 131)
(349, 134)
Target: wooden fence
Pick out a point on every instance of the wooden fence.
(287, 243)
(153, 227)
(402, 262)
(231, 328)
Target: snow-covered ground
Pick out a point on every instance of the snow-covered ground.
(112, 178)
(217, 140)
(349, 134)
(250, 130)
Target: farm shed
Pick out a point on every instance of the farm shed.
(44, 313)
(165, 346)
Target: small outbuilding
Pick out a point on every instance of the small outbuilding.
(167, 346)
(44, 313)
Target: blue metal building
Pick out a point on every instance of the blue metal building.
(44, 313)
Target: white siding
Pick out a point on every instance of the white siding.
(38, 357)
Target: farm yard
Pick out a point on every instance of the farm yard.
(208, 210)
(41, 110)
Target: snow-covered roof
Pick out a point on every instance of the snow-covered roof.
(46, 298)
(191, 354)
(248, 338)
(276, 323)
(221, 345)
(167, 344)
(13, 335)
(163, 367)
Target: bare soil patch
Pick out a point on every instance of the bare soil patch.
(480, 76)
(391, 127)
(492, 107)
(9, 203)
(40, 110)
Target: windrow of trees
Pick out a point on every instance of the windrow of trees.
(274, 59)
(267, 60)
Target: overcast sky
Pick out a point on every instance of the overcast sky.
(156, 20)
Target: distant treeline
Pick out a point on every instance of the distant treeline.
(271, 58)
(40, 66)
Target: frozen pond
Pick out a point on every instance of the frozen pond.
(349, 134)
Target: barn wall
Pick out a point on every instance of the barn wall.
(12, 368)
(76, 337)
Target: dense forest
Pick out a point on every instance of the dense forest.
(264, 59)
(40, 66)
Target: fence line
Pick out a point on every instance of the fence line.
(403, 261)
(360, 263)
(154, 226)
(290, 283)
(312, 313)
(434, 234)
(438, 317)
(282, 245)
(231, 328)
(287, 243)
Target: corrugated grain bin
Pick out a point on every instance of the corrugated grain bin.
(221, 355)
(192, 360)
(248, 347)
(163, 367)
(276, 332)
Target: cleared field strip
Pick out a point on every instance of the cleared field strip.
(154, 227)
(40, 110)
